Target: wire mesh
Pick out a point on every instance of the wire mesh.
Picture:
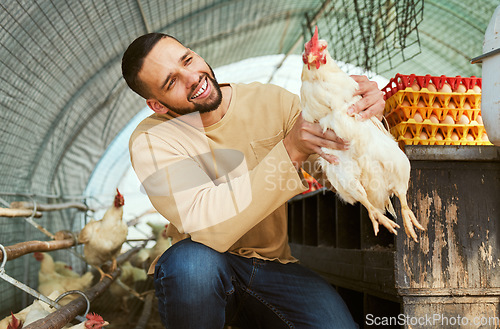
(375, 35)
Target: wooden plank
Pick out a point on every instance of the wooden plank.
(348, 225)
(361, 270)
(451, 312)
(326, 219)
(295, 222)
(310, 220)
(459, 204)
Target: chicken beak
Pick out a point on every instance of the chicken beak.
(311, 58)
(105, 323)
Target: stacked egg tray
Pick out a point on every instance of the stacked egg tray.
(431, 110)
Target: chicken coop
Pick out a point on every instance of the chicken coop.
(67, 116)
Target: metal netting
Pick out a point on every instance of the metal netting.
(375, 35)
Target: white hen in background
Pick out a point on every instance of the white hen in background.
(373, 168)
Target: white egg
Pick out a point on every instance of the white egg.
(463, 120)
(461, 89)
(448, 120)
(431, 87)
(434, 118)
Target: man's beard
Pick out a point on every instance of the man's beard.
(208, 106)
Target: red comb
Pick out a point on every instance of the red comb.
(15, 323)
(95, 317)
(314, 39)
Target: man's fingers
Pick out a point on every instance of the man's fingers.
(328, 138)
(372, 102)
(320, 142)
(328, 157)
(364, 85)
(332, 136)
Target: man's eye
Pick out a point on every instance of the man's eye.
(188, 60)
(171, 83)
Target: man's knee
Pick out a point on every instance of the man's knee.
(193, 265)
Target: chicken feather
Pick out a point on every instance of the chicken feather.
(373, 168)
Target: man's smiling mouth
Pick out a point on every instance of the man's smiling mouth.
(201, 90)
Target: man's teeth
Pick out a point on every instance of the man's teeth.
(202, 89)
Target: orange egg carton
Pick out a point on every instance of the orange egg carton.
(414, 82)
(423, 98)
(425, 114)
(407, 95)
(411, 133)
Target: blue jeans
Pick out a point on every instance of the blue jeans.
(200, 288)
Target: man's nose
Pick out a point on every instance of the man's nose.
(192, 79)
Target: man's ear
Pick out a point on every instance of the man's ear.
(156, 106)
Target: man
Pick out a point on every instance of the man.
(220, 162)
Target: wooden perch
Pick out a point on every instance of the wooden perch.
(136, 220)
(67, 313)
(49, 207)
(63, 240)
(146, 312)
(16, 212)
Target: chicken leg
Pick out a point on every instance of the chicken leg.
(409, 219)
(378, 218)
(102, 273)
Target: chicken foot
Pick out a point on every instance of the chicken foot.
(409, 219)
(102, 273)
(378, 218)
(356, 192)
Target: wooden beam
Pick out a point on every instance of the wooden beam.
(49, 207)
(11, 212)
(63, 240)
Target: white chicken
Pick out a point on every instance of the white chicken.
(103, 239)
(163, 242)
(373, 168)
(49, 280)
(31, 313)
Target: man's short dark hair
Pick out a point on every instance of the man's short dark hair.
(133, 59)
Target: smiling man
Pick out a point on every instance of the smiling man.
(219, 161)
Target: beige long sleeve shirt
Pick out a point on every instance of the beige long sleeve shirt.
(225, 185)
